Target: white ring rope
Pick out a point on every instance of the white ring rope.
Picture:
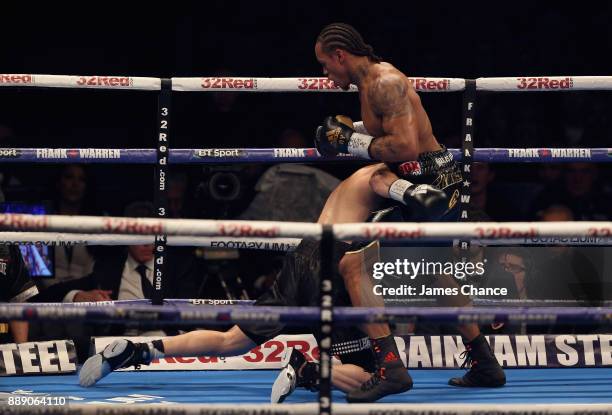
(545, 83)
(270, 244)
(65, 239)
(303, 84)
(78, 81)
(158, 226)
(269, 229)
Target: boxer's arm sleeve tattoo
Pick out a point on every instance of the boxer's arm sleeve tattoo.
(389, 100)
(389, 97)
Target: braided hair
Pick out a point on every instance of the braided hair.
(344, 36)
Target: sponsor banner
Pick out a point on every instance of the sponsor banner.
(304, 84)
(10, 153)
(276, 155)
(420, 352)
(13, 79)
(270, 355)
(545, 83)
(38, 358)
(78, 81)
(205, 153)
(515, 351)
(78, 155)
(228, 83)
(550, 153)
(290, 153)
(436, 84)
(82, 153)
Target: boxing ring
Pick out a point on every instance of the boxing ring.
(533, 390)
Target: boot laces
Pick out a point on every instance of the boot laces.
(468, 361)
(374, 380)
(139, 356)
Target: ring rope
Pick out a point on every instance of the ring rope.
(477, 302)
(67, 239)
(269, 229)
(303, 84)
(267, 244)
(222, 314)
(281, 155)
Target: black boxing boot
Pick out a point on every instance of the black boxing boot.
(391, 377)
(298, 373)
(484, 371)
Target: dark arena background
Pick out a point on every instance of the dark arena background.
(553, 165)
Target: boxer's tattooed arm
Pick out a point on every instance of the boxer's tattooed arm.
(388, 98)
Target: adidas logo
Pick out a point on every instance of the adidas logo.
(390, 357)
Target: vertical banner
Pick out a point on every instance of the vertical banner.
(161, 176)
(467, 152)
(325, 332)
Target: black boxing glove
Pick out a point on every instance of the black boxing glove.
(427, 202)
(337, 136)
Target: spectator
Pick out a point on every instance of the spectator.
(512, 268)
(549, 174)
(569, 272)
(517, 262)
(72, 189)
(125, 273)
(15, 286)
(178, 205)
(495, 204)
(579, 191)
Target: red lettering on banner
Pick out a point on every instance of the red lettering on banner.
(185, 359)
(603, 232)
(410, 168)
(19, 221)
(392, 233)
(315, 353)
(301, 346)
(247, 230)
(105, 81)
(228, 83)
(257, 355)
(277, 350)
(327, 83)
(545, 83)
(504, 232)
(423, 84)
(208, 359)
(316, 83)
(15, 79)
(132, 226)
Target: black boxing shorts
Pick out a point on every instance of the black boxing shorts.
(298, 285)
(436, 168)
